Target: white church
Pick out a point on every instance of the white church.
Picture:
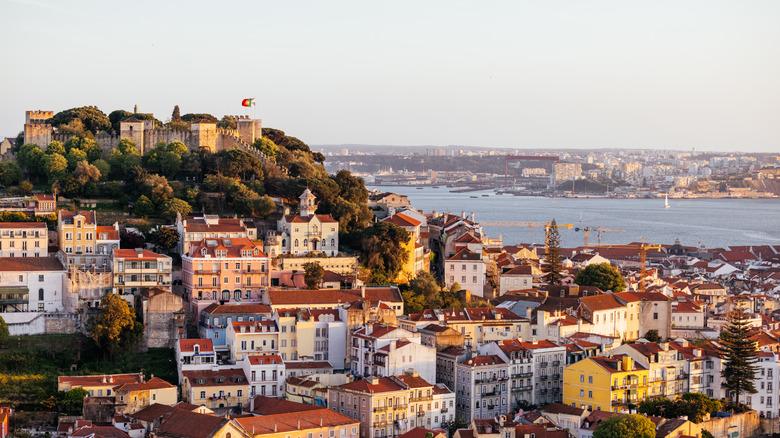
(307, 231)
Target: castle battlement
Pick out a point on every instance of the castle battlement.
(38, 116)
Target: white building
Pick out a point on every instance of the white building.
(252, 337)
(367, 342)
(766, 400)
(195, 354)
(467, 269)
(30, 286)
(308, 231)
(313, 335)
(265, 374)
(399, 356)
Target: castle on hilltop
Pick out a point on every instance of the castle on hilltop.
(201, 135)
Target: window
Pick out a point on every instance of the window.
(40, 278)
(582, 378)
(590, 379)
(655, 315)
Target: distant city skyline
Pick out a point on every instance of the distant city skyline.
(504, 74)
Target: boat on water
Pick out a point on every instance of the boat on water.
(474, 197)
(666, 201)
(486, 195)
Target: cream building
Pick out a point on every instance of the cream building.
(23, 239)
(138, 269)
(84, 243)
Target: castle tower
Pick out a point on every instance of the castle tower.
(37, 129)
(248, 129)
(307, 206)
(205, 134)
(133, 129)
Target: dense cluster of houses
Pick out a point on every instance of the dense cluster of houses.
(264, 356)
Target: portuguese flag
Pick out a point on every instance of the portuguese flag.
(248, 102)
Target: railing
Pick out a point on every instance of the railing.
(556, 363)
(419, 399)
(543, 364)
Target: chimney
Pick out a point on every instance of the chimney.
(627, 363)
(299, 424)
(392, 345)
(252, 406)
(664, 346)
(472, 216)
(363, 291)
(463, 215)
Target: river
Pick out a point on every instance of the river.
(710, 222)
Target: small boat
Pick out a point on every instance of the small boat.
(666, 201)
(474, 197)
(486, 196)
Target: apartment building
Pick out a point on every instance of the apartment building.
(535, 369)
(313, 335)
(223, 270)
(24, 239)
(611, 384)
(216, 388)
(194, 354)
(85, 243)
(467, 269)
(430, 404)
(215, 318)
(252, 337)
(138, 269)
(610, 316)
(666, 366)
(482, 388)
(194, 229)
(369, 357)
(265, 373)
(309, 423)
(478, 325)
(766, 400)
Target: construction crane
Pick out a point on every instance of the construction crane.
(547, 226)
(642, 247)
(600, 230)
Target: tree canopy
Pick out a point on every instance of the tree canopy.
(602, 276)
(695, 406)
(313, 273)
(625, 426)
(89, 117)
(4, 334)
(379, 249)
(115, 328)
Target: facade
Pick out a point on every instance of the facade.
(403, 355)
(440, 337)
(31, 284)
(368, 341)
(653, 311)
(194, 229)
(478, 325)
(610, 316)
(430, 404)
(163, 316)
(611, 384)
(543, 360)
(24, 239)
(309, 423)
(138, 269)
(252, 337)
(84, 243)
(519, 277)
(340, 264)
(223, 388)
(313, 334)
(265, 374)
(666, 367)
(482, 388)
(308, 231)
(765, 401)
(467, 269)
(223, 271)
(132, 397)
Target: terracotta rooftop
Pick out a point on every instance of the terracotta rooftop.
(17, 225)
(601, 302)
(324, 218)
(34, 264)
(67, 217)
(231, 376)
(268, 359)
(307, 365)
(373, 385)
(153, 383)
(484, 361)
(414, 381)
(237, 247)
(303, 297)
(188, 424)
(199, 225)
(218, 309)
(465, 255)
(402, 220)
(138, 254)
(295, 421)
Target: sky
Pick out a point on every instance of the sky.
(504, 74)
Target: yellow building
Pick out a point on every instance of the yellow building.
(84, 242)
(612, 384)
(215, 389)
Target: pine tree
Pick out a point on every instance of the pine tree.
(740, 353)
(552, 255)
(176, 116)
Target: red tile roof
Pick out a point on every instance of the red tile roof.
(229, 374)
(269, 359)
(101, 380)
(484, 360)
(601, 302)
(68, 216)
(465, 255)
(153, 383)
(218, 309)
(414, 381)
(188, 424)
(17, 225)
(324, 218)
(99, 432)
(233, 247)
(302, 297)
(307, 365)
(295, 421)
(111, 232)
(21, 264)
(383, 384)
(402, 220)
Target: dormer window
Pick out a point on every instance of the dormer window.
(203, 251)
(201, 381)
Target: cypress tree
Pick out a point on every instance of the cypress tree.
(552, 255)
(740, 354)
(176, 116)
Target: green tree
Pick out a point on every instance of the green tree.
(452, 426)
(740, 353)
(89, 146)
(10, 173)
(55, 166)
(196, 117)
(379, 248)
(227, 122)
(143, 207)
(602, 276)
(165, 238)
(173, 206)
(653, 336)
(4, 334)
(75, 156)
(73, 401)
(30, 157)
(113, 327)
(266, 146)
(92, 119)
(625, 426)
(552, 255)
(176, 114)
(103, 167)
(313, 273)
(157, 188)
(55, 147)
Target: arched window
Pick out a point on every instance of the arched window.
(237, 294)
(284, 243)
(305, 242)
(332, 242)
(40, 294)
(225, 294)
(296, 242)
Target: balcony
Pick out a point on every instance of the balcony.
(556, 363)
(544, 364)
(543, 377)
(420, 399)
(420, 413)
(444, 410)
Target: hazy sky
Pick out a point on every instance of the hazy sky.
(661, 74)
